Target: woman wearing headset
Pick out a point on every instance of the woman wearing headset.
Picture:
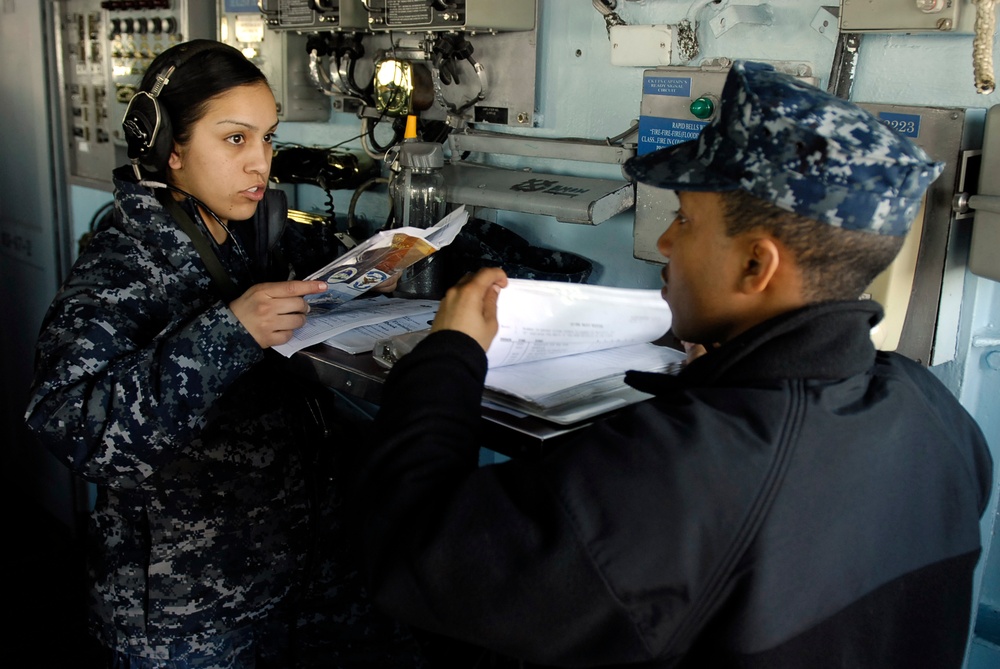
(153, 381)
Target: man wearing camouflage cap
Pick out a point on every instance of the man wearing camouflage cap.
(792, 498)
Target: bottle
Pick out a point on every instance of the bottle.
(417, 189)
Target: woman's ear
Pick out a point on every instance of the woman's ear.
(762, 262)
(174, 161)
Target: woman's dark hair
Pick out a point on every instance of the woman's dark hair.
(837, 264)
(208, 69)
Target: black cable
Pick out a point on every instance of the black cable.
(399, 129)
(103, 213)
(434, 131)
(330, 205)
(367, 93)
(99, 214)
(352, 226)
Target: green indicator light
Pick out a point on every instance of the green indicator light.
(702, 108)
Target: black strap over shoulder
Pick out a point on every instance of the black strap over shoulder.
(274, 209)
(223, 283)
(270, 220)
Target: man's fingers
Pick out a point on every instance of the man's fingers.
(490, 300)
(489, 276)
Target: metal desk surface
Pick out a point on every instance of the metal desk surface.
(360, 376)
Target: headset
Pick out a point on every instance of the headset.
(146, 124)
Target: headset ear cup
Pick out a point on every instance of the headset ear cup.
(148, 133)
(163, 144)
(139, 124)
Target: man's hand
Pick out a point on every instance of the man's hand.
(271, 311)
(693, 351)
(470, 306)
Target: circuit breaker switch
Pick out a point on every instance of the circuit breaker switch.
(930, 6)
(703, 107)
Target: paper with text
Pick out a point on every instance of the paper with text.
(363, 339)
(368, 311)
(550, 319)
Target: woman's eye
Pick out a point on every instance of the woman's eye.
(270, 137)
(235, 139)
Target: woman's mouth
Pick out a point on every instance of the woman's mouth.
(256, 193)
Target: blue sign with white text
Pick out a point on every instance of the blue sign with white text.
(907, 125)
(673, 86)
(656, 132)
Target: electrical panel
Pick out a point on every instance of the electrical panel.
(480, 69)
(106, 47)
(480, 15)
(314, 15)
(908, 16)
(677, 102)
(280, 55)
(86, 90)
(404, 15)
(984, 259)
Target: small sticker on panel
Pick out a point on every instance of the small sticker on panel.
(240, 6)
(549, 187)
(497, 115)
(249, 28)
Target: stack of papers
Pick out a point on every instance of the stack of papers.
(562, 349)
(577, 387)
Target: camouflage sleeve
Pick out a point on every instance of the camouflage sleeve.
(132, 355)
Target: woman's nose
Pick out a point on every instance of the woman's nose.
(261, 160)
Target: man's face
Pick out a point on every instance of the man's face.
(701, 278)
(227, 160)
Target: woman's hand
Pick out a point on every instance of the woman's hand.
(470, 306)
(271, 311)
(389, 284)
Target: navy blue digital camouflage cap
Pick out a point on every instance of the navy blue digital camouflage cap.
(801, 149)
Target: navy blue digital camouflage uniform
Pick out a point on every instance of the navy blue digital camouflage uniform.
(214, 540)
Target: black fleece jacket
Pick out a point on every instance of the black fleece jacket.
(791, 499)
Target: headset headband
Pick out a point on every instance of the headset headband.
(146, 125)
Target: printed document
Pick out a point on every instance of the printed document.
(562, 350)
(551, 319)
(369, 311)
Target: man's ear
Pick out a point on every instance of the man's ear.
(760, 265)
